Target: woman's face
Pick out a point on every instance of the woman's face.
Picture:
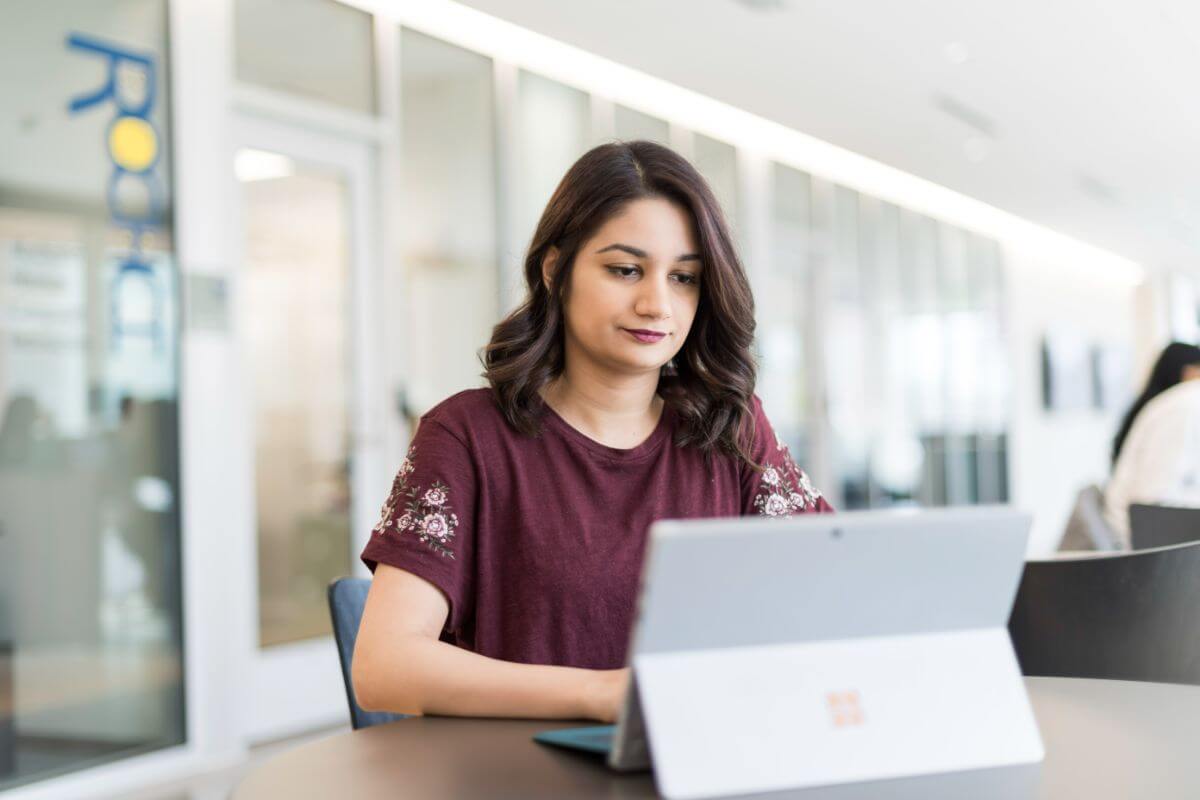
(635, 288)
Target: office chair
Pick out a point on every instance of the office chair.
(1087, 529)
(1163, 526)
(1131, 616)
(347, 597)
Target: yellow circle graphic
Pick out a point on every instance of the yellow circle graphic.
(132, 144)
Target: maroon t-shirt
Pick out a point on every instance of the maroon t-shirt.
(538, 542)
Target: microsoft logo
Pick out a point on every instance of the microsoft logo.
(845, 708)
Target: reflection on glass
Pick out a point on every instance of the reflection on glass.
(986, 292)
(897, 456)
(782, 312)
(297, 268)
(553, 132)
(324, 50)
(992, 371)
(90, 616)
(717, 162)
(448, 225)
(963, 333)
(850, 412)
(631, 124)
(907, 318)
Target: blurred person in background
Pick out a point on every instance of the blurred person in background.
(507, 559)
(1156, 453)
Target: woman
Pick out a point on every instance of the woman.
(508, 554)
(1156, 454)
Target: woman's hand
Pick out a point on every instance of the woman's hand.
(606, 694)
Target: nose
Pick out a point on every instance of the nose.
(653, 300)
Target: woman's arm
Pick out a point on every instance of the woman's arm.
(400, 665)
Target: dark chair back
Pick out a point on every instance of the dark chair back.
(1163, 526)
(347, 597)
(1133, 616)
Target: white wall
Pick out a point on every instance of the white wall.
(1055, 453)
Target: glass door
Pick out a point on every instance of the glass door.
(302, 328)
(92, 654)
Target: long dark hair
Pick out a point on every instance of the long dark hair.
(711, 383)
(1167, 372)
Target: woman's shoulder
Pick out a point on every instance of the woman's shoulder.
(468, 412)
(1181, 400)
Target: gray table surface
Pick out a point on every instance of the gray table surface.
(1104, 739)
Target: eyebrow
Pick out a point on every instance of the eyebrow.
(639, 253)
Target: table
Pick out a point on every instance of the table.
(1104, 739)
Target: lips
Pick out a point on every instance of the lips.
(645, 336)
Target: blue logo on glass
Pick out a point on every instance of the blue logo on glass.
(134, 148)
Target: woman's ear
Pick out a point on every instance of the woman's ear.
(549, 261)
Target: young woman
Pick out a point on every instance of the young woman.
(1156, 454)
(508, 554)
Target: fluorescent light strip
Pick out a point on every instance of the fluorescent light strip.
(535, 52)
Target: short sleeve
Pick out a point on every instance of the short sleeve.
(780, 488)
(426, 526)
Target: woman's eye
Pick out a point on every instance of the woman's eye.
(623, 271)
(685, 278)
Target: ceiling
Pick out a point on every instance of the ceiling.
(1082, 115)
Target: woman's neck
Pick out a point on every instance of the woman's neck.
(616, 410)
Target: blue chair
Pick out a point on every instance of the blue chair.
(347, 597)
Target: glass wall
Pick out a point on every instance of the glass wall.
(906, 314)
(783, 310)
(717, 162)
(90, 618)
(553, 130)
(329, 54)
(297, 266)
(632, 124)
(448, 215)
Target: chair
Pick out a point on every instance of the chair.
(1086, 528)
(347, 597)
(1131, 616)
(1163, 526)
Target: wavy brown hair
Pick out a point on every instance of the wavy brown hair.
(710, 385)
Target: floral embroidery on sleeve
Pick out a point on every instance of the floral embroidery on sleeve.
(426, 514)
(785, 490)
